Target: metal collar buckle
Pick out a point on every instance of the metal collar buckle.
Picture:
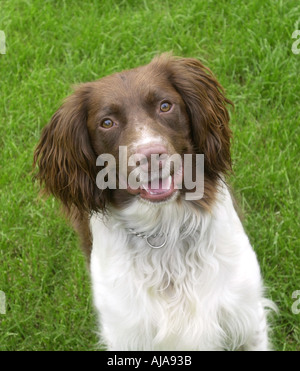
(155, 241)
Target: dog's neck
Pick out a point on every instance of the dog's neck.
(174, 220)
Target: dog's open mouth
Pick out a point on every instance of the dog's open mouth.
(158, 189)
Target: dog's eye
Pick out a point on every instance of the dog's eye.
(165, 106)
(107, 123)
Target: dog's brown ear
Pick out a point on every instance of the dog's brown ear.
(206, 106)
(64, 156)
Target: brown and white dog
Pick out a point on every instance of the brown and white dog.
(169, 272)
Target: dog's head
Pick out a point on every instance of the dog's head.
(130, 124)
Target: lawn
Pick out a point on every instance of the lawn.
(52, 45)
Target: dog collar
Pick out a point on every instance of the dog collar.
(155, 241)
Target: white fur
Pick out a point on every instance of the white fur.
(201, 291)
(145, 136)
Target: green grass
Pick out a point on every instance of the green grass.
(54, 44)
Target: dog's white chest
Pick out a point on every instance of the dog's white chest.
(194, 293)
